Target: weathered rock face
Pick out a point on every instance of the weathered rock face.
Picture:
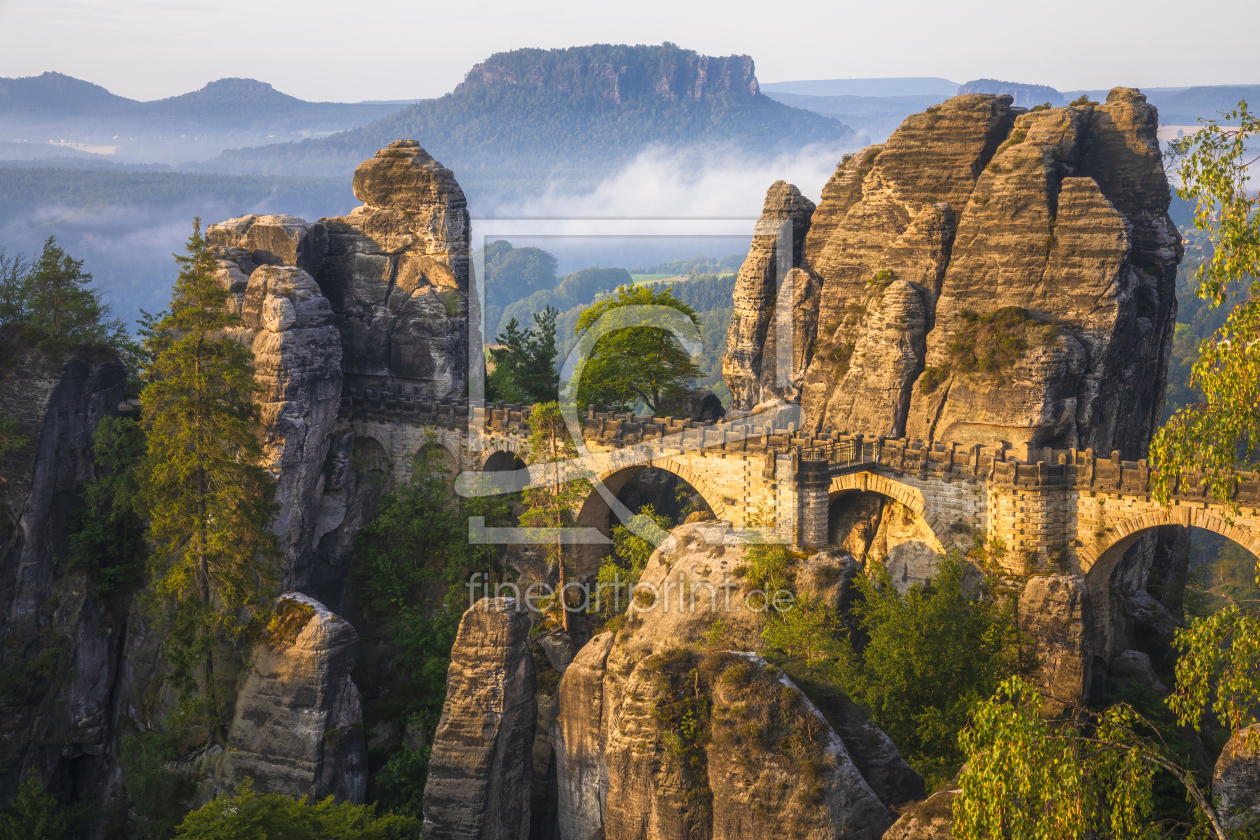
(59, 660)
(773, 296)
(615, 770)
(253, 241)
(481, 767)
(298, 722)
(1236, 780)
(397, 275)
(975, 207)
(297, 361)
(930, 819)
(1055, 611)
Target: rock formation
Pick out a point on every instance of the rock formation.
(615, 768)
(773, 300)
(1055, 611)
(297, 358)
(930, 819)
(297, 727)
(397, 275)
(1236, 781)
(986, 275)
(60, 656)
(481, 765)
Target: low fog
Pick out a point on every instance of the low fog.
(664, 205)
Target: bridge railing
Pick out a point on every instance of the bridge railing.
(1022, 467)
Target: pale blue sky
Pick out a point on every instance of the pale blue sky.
(348, 51)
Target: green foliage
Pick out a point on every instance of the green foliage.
(10, 440)
(59, 304)
(682, 710)
(51, 298)
(1081, 101)
(271, 816)
(34, 814)
(24, 679)
(1093, 776)
(698, 265)
(516, 273)
(1045, 106)
(661, 367)
(108, 535)
(158, 795)
(412, 564)
(14, 302)
(932, 655)
(1217, 669)
(399, 785)
(808, 636)
(621, 571)
(988, 344)
(524, 367)
(1219, 436)
(213, 563)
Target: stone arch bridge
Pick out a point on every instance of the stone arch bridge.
(1064, 511)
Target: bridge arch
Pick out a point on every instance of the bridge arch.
(595, 512)
(1099, 559)
(906, 494)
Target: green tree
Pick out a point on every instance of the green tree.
(551, 499)
(60, 305)
(33, 815)
(808, 636)
(524, 367)
(271, 816)
(636, 364)
(932, 654)
(1219, 437)
(159, 796)
(14, 276)
(207, 494)
(1090, 775)
(108, 535)
(620, 571)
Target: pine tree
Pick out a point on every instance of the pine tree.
(552, 500)
(213, 560)
(59, 303)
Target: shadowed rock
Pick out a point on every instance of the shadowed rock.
(298, 724)
(482, 764)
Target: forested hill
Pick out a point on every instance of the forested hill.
(524, 117)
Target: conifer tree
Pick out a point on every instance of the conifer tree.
(563, 487)
(213, 563)
(59, 303)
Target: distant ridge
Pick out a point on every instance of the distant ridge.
(892, 86)
(1025, 96)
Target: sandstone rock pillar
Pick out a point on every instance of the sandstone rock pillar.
(298, 726)
(482, 762)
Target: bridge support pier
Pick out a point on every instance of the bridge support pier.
(813, 484)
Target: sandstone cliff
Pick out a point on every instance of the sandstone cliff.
(992, 274)
(59, 660)
(297, 727)
(620, 767)
(775, 305)
(397, 275)
(480, 770)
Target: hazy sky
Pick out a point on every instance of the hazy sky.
(335, 50)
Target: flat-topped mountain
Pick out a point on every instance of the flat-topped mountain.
(523, 117)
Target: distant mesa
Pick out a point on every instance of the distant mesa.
(1025, 96)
